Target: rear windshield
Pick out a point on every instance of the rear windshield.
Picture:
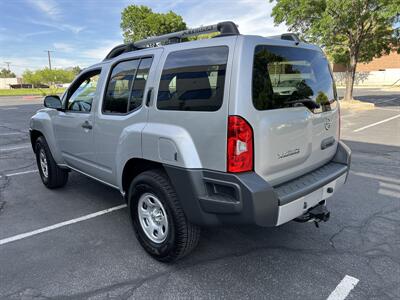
(290, 77)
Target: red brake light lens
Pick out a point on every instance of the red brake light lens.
(240, 145)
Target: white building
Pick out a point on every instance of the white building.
(5, 82)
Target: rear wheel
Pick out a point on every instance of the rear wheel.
(158, 219)
(52, 175)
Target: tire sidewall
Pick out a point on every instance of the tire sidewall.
(146, 184)
(40, 144)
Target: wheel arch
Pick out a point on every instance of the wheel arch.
(134, 167)
(41, 125)
(34, 135)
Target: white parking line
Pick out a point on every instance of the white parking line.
(344, 288)
(378, 177)
(19, 173)
(15, 148)
(8, 108)
(390, 186)
(377, 123)
(58, 225)
(387, 100)
(11, 133)
(389, 193)
(388, 109)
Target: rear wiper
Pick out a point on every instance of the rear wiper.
(306, 102)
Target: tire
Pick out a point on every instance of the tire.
(52, 175)
(152, 194)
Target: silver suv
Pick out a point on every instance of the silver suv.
(234, 129)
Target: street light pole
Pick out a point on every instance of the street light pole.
(49, 58)
(8, 65)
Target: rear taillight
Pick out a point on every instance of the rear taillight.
(240, 145)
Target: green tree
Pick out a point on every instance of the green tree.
(139, 22)
(47, 76)
(76, 70)
(4, 73)
(31, 77)
(349, 31)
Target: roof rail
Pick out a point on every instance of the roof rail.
(224, 28)
(287, 36)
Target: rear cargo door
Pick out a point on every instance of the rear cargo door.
(296, 118)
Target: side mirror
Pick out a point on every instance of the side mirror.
(53, 102)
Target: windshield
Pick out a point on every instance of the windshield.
(289, 77)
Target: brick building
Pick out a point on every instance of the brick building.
(391, 61)
(384, 70)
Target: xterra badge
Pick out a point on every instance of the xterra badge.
(288, 153)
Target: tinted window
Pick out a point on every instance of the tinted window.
(81, 94)
(120, 86)
(140, 83)
(289, 76)
(193, 80)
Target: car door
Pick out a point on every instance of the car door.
(123, 114)
(74, 126)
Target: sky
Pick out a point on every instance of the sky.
(81, 32)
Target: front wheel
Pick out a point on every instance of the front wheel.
(158, 219)
(52, 175)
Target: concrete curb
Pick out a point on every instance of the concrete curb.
(356, 105)
(31, 97)
(379, 87)
(391, 89)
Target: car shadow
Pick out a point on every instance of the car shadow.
(387, 100)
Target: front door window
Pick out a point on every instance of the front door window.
(81, 94)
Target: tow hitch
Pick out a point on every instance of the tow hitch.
(316, 214)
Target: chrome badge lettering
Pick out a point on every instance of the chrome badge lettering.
(288, 153)
(327, 123)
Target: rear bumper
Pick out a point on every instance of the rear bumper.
(214, 198)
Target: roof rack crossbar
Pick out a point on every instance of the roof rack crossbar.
(224, 28)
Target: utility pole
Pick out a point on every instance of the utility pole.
(8, 65)
(48, 56)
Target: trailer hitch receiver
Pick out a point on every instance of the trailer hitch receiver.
(316, 214)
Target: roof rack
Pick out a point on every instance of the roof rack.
(224, 28)
(287, 36)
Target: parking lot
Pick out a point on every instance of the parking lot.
(91, 252)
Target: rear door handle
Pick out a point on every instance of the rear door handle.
(87, 125)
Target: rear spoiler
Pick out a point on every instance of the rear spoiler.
(287, 36)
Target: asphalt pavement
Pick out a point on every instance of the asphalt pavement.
(99, 257)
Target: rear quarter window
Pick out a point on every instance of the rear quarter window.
(193, 80)
(126, 86)
(290, 76)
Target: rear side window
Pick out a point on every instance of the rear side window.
(290, 76)
(193, 80)
(140, 83)
(126, 86)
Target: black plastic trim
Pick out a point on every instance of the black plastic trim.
(251, 199)
(306, 184)
(309, 182)
(256, 202)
